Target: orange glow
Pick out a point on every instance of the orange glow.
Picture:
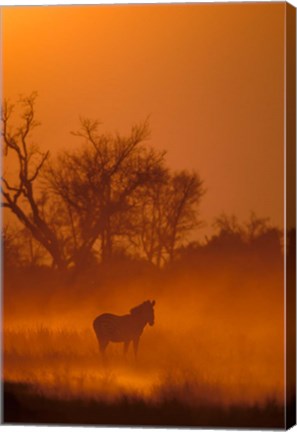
(210, 76)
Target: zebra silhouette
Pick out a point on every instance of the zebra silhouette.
(125, 328)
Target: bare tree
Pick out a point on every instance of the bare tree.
(149, 217)
(19, 194)
(97, 183)
(168, 213)
(184, 195)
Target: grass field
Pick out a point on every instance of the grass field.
(215, 356)
(55, 375)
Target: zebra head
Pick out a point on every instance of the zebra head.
(145, 311)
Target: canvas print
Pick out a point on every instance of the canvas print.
(148, 215)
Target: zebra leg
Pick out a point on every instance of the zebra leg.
(135, 346)
(126, 347)
(102, 346)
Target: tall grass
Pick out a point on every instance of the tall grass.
(65, 363)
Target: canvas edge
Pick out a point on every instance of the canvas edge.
(290, 216)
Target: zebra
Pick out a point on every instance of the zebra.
(125, 328)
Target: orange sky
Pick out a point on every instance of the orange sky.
(209, 75)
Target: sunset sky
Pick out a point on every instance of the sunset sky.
(210, 76)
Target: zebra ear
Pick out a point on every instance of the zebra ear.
(153, 303)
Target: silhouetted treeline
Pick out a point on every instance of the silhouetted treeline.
(112, 195)
(253, 245)
(236, 248)
(113, 199)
